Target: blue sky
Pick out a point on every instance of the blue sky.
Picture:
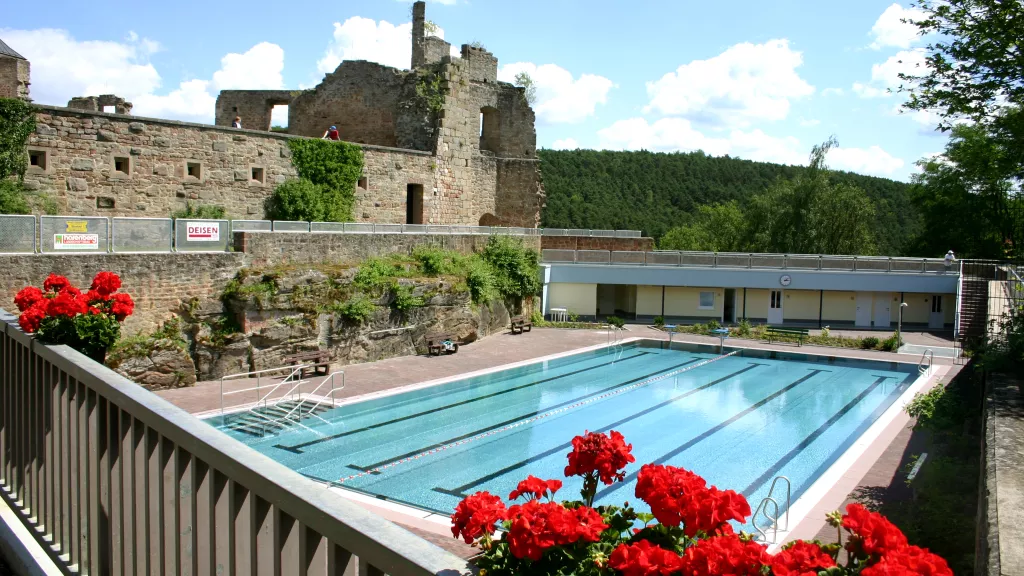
(752, 79)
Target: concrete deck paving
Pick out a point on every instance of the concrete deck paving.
(501, 349)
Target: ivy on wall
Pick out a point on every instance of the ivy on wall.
(325, 191)
(17, 121)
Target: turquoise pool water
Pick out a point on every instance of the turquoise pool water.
(739, 421)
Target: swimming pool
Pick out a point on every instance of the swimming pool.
(739, 421)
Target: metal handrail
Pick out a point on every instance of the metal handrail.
(259, 374)
(921, 367)
(763, 508)
(313, 393)
(789, 492)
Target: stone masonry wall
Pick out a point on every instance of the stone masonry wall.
(254, 107)
(14, 78)
(596, 243)
(269, 249)
(159, 283)
(76, 154)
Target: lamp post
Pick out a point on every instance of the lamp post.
(899, 327)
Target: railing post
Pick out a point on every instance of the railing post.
(819, 262)
(854, 263)
(890, 264)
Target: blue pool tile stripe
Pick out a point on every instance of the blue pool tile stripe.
(539, 417)
(775, 468)
(519, 418)
(297, 448)
(712, 431)
(461, 490)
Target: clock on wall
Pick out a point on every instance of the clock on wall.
(785, 280)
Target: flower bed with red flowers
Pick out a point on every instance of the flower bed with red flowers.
(89, 322)
(693, 535)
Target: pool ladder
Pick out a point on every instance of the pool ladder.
(762, 508)
(922, 366)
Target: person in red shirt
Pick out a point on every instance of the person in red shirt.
(331, 134)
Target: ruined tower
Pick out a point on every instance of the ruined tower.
(14, 73)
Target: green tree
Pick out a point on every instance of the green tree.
(333, 167)
(17, 121)
(299, 200)
(716, 227)
(525, 81)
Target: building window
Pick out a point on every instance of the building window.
(707, 300)
(362, 184)
(414, 204)
(121, 164)
(104, 203)
(37, 159)
(257, 174)
(937, 303)
(490, 129)
(194, 169)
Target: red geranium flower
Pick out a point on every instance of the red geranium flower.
(535, 487)
(590, 524)
(537, 526)
(725, 555)
(801, 559)
(93, 296)
(31, 318)
(605, 455)
(476, 515)
(28, 297)
(65, 304)
(55, 283)
(122, 306)
(873, 533)
(678, 496)
(644, 559)
(909, 561)
(106, 283)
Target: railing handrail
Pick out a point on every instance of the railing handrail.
(383, 545)
(753, 260)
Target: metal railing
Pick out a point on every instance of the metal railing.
(112, 479)
(762, 508)
(751, 261)
(20, 234)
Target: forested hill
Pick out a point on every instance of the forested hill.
(653, 192)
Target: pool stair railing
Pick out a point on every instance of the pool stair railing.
(773, 519)
(925, 365)
(263, 421)
(283, 404)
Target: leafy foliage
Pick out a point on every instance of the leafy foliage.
(375, 274)
(525, 81)
(655, 192)
(328, 171)
(402, 299)
(356, 309)
(200, 211)
(429, 87)
(515, 268)
(716, 227)
(12, 199)
(17, 121)
(142, 345)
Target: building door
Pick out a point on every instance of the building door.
(883, 318)
(937, 319)
(775, 307)
(414, 204)
(863, 318)
(729, 307)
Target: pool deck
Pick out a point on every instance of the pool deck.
(880, 460)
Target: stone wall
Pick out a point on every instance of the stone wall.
(268, 248)
(98, 103)
(1000, 530)
(14, 77)
(597, 243)
(254, 107)
(160, 284)
(76, 155)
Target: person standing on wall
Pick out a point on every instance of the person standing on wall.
(237, 123)
(331, 134)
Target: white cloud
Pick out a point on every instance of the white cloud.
(678, 134)
(885, 76)
(560, 97)
(746, 83)
(873, 160)
(565, 144)
(890, 30)
(808, 123)
(832, 92)
(382, 42)
(63, 67)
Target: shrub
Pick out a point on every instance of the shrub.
(332, 168)
(892, 343)
(869, 343)
(375, 274)
(89, 322)
(659, 321)
(12, 200)
(299, 200)
(402, 298)
(744, 328)
(616, 321)
(200, 212)
(480, 280)
(435, 261)
(515, 266)
(356, 309)
(17, 122)
(825, 332)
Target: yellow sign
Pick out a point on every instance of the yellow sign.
(77, 226)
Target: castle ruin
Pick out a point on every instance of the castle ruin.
(444, 143)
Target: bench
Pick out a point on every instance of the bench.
(319, 360)
(799, 333)
(520, 324)
(435, 343)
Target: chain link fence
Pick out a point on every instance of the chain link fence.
(17, 234)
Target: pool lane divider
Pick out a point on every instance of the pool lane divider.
(548, 414)
(297, 448)
(778, 466)
(516, 418)
(460, 491)
(714, 430)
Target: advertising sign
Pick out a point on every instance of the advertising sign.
(77, 226)
(202, 231)
(76, 241)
